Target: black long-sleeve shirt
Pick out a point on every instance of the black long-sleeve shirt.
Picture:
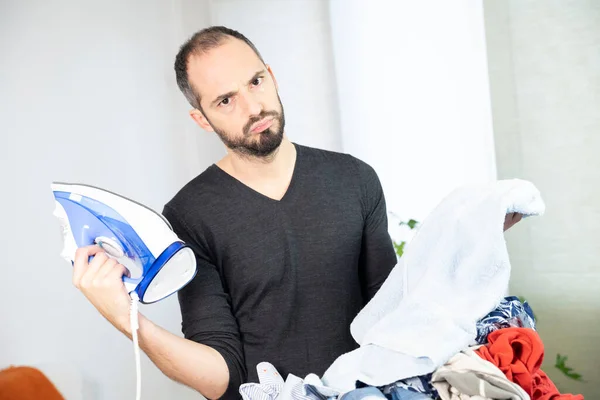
(281, 281)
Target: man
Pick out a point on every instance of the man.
(291, 242)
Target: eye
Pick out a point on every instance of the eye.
(224, 102)
(257, 81)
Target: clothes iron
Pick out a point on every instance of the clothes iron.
(140, 239)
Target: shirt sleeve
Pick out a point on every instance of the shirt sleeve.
(206, 308)
(377, 257)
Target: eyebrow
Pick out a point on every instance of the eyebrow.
(232, 93)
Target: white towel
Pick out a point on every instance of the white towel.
(454, 271)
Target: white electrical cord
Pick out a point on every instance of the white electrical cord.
(133, 318)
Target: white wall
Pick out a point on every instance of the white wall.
(414, 96)
(87, 93)
(293, 36)
(545, 79)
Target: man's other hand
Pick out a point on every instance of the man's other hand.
(511, 219)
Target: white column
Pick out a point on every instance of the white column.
(414, 97)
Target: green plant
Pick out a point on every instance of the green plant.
(568, 371)
(399, 246)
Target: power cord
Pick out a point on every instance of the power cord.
(133, 318)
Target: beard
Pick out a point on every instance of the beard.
(264, 144)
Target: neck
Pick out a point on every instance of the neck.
(274, 166)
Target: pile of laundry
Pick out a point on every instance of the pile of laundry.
(441, 326)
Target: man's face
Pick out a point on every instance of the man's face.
(239, 98)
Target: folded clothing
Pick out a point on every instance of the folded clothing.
(509, 313)
(366, 393)
(26, 383)
(518, 353)
(468, 376)
(271, 384)
(418, 384)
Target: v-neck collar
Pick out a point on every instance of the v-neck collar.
(241, 186)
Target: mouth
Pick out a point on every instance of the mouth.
(261, 126)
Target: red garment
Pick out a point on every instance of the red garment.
(518, 353)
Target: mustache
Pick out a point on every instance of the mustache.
(257, 118)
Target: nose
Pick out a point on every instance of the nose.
(252, 104)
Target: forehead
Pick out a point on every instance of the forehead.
(223, 68)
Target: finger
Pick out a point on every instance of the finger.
(106, 268)
(117, 272)
(80, 262)
(94, 267)
(506, 221)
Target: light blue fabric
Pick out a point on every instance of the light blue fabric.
(311, 390)
(399, 393)
(366, 393)
(419, 384)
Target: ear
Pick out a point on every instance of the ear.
(201, 120)
(272, 76)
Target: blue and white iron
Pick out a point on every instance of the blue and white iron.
(139, 238)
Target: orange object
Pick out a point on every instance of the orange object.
(518, 353)
(26, 383)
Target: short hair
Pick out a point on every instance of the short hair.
(200, 43)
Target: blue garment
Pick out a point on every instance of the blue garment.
(419, 384)
(398, 393)
(368, 392)
(510, 313)
(313, 391)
